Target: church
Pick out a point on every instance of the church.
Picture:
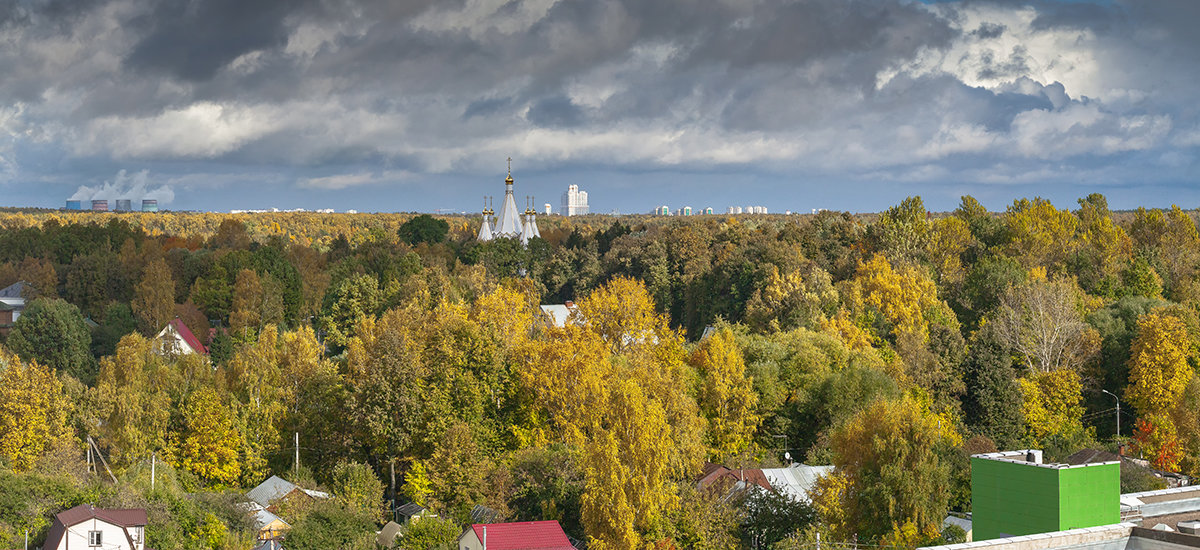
(510, 223)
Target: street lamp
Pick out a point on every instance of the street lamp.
(1118, 410)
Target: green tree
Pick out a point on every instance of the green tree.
(52, 332)
(992, 404)
(329, 525)
(1041, 323)
(358, 488)
(423, 229)
(347, 302)
(771, 516)
(431, 533)
(892, 455)
(154, 297)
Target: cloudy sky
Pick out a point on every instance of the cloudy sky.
(383, 105)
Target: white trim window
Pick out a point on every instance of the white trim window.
(95, 538)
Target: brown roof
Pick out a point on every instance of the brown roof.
(123, 517)
(715, 475)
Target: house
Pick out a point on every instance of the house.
(412, 512)
(85, 526)
(12, 303)
(264, 503)
(275, 489)
(795, 481)
(267, 526)
(177, 339)
(557, 315)
(525, 535)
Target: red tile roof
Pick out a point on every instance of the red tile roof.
(525, 535)
(188, 337)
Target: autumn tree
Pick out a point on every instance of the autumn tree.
(1053, 407)
(210, 441)
(1040, 235)
(625, 470)
(1104, 247)
(246, 316)
(902, 299)
(727, 397)
(1159, 372)
(133, 394)
(622, 313)
(801, 298)
(154, 297)
(902, 232)
(34, 411)
(891, 455)
(1041, 322)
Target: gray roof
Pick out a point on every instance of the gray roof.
(263, 518)
(276, 487)
(795, 481)
(15, 290)
(409, 510)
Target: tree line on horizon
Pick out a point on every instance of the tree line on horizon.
(413, 362)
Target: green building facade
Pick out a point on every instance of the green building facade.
(1012, 495)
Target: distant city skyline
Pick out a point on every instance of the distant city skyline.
(414, 106)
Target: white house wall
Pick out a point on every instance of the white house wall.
(113, 537)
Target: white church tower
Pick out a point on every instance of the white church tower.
(509, 224)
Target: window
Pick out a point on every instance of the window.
(94, 538)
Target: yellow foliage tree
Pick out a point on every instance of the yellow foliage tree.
(246, 315)
(1040, 234)
(1053, 404)
(626, 469)
(727, 398)
(948, 239)
(154, 297)
(905, 296)
(622, 313)
(33, 411)
(1158, 363)
(132, 391)
(210, 442)
(800, 298)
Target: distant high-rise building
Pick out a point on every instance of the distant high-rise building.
(548, 209)
(687, 211)
(734, 210)
(663, 210)
(708, 210)
(574, 201)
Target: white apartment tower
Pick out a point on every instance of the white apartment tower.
(574, 201)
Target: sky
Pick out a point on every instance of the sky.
(415, 105)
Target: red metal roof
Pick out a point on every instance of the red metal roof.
(188, 337)
(525, 535)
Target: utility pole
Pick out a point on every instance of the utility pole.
(296, 468)
(1118, 410)
(153, 467)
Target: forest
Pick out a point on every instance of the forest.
(403, 361)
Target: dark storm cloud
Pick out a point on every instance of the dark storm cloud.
(859, 88)
(193, 40)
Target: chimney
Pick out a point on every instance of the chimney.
(484, 537)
